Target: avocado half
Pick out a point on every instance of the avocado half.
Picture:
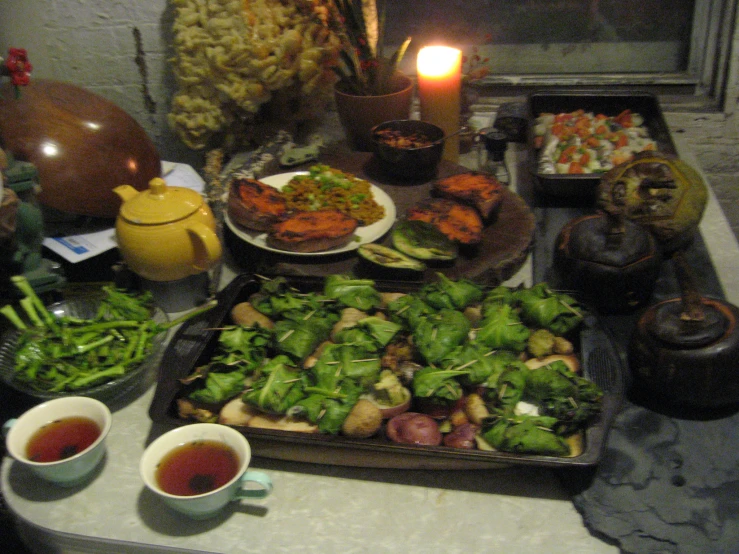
(389, 258)
(423, 241)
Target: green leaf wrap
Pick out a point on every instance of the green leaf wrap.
(440, 333)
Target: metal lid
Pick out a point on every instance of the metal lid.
(671, 326)
(161, 204)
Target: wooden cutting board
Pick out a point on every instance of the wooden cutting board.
(504, 248)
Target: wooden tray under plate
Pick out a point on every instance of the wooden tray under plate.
(505, 245)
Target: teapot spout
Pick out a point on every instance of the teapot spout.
(125, 192)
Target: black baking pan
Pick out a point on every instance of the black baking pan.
(596, 101)
(194, 342)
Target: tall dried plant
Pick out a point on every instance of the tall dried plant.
(362, 67)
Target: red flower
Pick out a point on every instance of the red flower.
(19, 66)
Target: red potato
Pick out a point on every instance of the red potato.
(462, 436)
(414, 428)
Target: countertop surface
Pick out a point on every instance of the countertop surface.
(324, 508)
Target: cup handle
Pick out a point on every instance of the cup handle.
(207, 247)
(258, 477)
(7, 425)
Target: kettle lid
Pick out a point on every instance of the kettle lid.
(676, 330)
(161, 204)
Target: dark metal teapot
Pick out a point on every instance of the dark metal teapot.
(685, 351)
(611, 261)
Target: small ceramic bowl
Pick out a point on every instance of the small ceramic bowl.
(395, 143)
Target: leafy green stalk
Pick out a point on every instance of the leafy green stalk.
(543, 307)
(354, 293)
(441, 385)
(525, 435)
(70, 353)
(81, 349)
(28, 306)
(501, 328)
(9, 312)
(448, 293)
(22, 284)
(189, 315)
(440, 333)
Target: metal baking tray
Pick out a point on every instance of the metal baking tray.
(194, 342)
(609, 103)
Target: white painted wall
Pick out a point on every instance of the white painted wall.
(91, 43)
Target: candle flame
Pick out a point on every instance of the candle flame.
(436, 61)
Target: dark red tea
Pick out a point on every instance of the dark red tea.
(62, 438)
(196, 468)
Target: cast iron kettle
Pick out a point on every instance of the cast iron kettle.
(611, 261)
(685, 350)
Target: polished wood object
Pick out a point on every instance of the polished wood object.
(82, 145)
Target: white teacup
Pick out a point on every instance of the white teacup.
(75, 468)
(207, 504)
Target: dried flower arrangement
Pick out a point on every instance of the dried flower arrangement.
(247, 69)
(241, 65)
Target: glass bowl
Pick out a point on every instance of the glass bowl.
(83, 308)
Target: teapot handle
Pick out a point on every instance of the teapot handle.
(206, 246)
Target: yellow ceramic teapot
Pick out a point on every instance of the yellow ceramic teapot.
(166, 233)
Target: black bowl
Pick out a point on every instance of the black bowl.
(409, 163)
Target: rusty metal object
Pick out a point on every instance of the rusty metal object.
(660, 192)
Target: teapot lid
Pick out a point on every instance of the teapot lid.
(161, 204)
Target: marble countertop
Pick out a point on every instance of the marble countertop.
(321, 508)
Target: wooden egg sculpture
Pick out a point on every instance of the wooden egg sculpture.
(82, 145)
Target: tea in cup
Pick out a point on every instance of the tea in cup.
(61, 440)
(198, 469)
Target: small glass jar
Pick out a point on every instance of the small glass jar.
(491, 149)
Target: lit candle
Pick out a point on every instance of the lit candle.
(439, 91)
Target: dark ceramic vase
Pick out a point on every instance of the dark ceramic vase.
(359, 114)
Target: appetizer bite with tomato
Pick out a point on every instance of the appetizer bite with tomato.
(585, 142)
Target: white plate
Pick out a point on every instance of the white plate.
(363, 235)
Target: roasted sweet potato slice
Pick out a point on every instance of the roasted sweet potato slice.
(457, 221)
(479, 190)
(255, 205)
(313, 231)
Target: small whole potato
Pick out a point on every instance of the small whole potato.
(247, 315)
(363, 421)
